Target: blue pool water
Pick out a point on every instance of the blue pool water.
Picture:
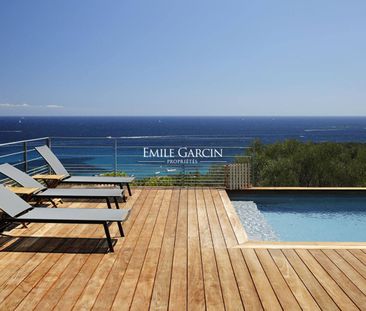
(325, 216)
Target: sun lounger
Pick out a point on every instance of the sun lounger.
(43, 193)
(59, 169)
(17, 210)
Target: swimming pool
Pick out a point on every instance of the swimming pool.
(337, 216)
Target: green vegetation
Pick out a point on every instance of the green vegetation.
(215, 175)
(120, 174)
(158, 181)
(293, 163)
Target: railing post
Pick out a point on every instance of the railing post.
(49, 145)
(184, 176)
(115, 157)
(25, 156)
(252, 170)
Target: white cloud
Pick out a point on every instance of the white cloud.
(8, 105)
(54, 106)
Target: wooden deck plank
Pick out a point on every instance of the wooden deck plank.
(24, 240)
(12, 256)
(35, 295)
(196, 294)
(73, 292)
(238, 227)
(268, 297)
(51, 298)
(14, 236)
(359, 254)
(282, 291)
(106, 295)
(347, 269)
(74, 268)
(130, 278)
(78, 285)
(142, 297)
(161, 290)
(229, 287)
(51, 278)
(322, 298)
(351, 290)
(213, 292)
(178, 287)
(86, 300)
(353, 261)
(299, 290)
(338, 296)
(227, 229)
(25, 278)
(181, 251)
(244, 281)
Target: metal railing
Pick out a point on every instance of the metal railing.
(126, 156)
(23, 155)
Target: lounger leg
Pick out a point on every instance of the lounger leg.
(116, 202)
(109, 203)
(53, 203)
(124, 197)
(120, 229)
(129, 190)
(109, 239)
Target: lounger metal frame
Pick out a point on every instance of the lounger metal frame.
(56, 165)
(27, 181)
(105, 224)
(16, 209)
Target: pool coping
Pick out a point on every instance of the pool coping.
(304, 245)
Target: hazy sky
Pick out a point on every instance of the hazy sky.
(183, 57)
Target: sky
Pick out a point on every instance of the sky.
(233, 57)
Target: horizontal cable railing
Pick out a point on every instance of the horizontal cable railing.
(23, 155)
(173, 160)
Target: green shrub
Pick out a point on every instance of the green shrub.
(293, 163)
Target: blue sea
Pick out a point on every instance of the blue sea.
(117, 143)
(242, 129)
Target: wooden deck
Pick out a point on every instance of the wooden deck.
(180, 253)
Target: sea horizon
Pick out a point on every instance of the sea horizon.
(268, 129)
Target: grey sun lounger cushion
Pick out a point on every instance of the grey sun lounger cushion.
(27, 181)
(82, 193)
(17, 210)
(59, 169)
(20, 177)
(52, 160)
(79, 215)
